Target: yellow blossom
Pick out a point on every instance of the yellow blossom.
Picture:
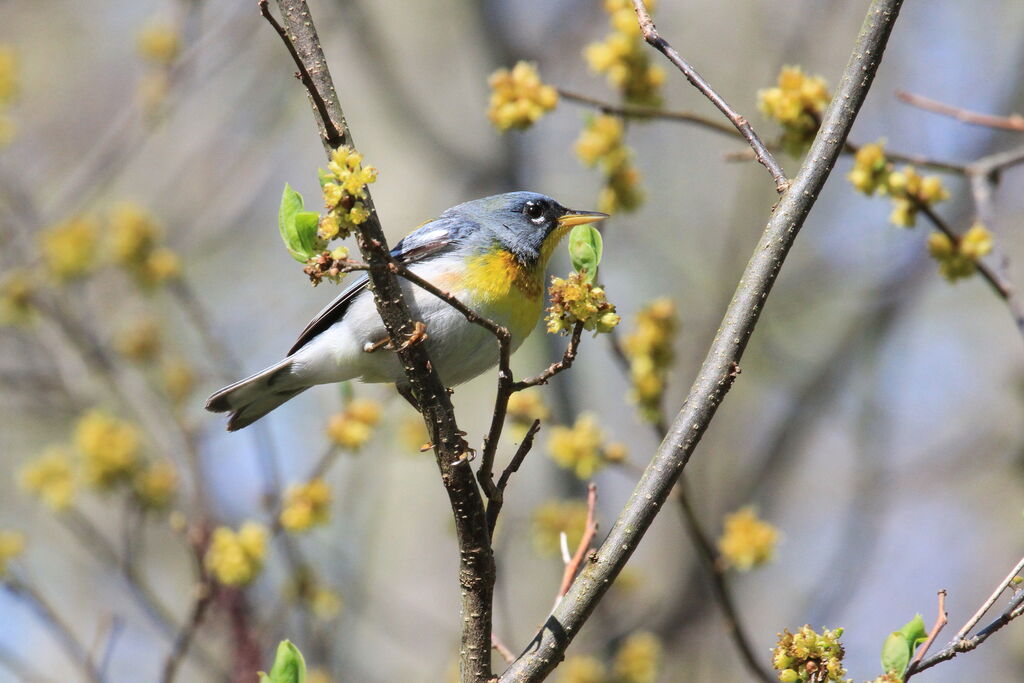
(523, 408)
(623, 57)
(870, 169)
(553, 518)
(306, 505)
(797, 102)
(158, 42)
(178, 379)
(602, 136)
(353, 426)
(235, 558)
(161, 265)
(638, 659)
(141, 341)
(581, 669)
(959, 259)
(518, 97)
(601, 143)
(156, 485)
(69, 247)
(805, 654)
(109, 448)
(8, 74)
(910, 190)
(16, 291)
(325, 603)
(344, 187)
(748, 541)
(50, 477)
(976, 242)
(12, 544)
(133, 233)
(575, 300)
(578, 448)
(649, 349)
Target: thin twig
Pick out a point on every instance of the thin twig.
(633, 111)
(987, 605)
(1012, 122)
(940, 621)
(496, 500)
(716, 375)
(740, 122)
(502, 649)
(589, 532)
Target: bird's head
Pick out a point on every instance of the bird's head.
(527, 224)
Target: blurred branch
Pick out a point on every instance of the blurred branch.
(940, 622)
(21, 669)
(717, 372)
(740, 122)
(987, 605)
(476, 570)
(589, 532)
(1012, 122)
(57, 626)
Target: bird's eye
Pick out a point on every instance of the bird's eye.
(533, 210)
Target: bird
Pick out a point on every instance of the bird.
(490, 253)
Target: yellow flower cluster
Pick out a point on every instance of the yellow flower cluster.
(69, 247)
(797, 102)
(910, 191)
(50, 477)
(140, 342)
(576, 300)
(602, 143)
(235, 558)
(554, 517)
(524, 407)
(344, 188)
(353, 426)
(16, 297)
(109, 448)
(325, 603)
(8, 90)
(806, 655)
(624, 57)
(959, 259)
(873, 173)
(518, 97)
(306, 505)
(178, 379)
(637, 661)
(581, 448)
(158, 42)
(135, 245)
(748, 541)
(649, 349)
(155, 485)
(412, 434)
(12, 544)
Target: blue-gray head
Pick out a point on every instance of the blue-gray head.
(527, 224)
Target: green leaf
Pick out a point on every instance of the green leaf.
(914, 631)
(324, 177)
(298, 227)
(585, 248)
(896, 653)
(289, 666)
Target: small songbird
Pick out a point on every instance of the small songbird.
(490, 253)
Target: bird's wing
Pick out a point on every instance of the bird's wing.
(430, 239)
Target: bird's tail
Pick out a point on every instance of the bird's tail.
(253, 397)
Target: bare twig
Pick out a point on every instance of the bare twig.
(476, 570)
(1012, 122)
(742, 125)
(940, 621)
(502, 649)
(717, 372)
(589, 532)
(497, 499)
(987, 605)
(632, 111)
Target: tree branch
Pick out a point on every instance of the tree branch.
(476, 567)
(761, 152)
(716, 374)
(1012, 122)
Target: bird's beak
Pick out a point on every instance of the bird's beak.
(571, 218)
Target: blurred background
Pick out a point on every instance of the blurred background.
(877, 423)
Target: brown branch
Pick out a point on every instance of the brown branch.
(1013, 122)
(740, 122)
(632, 111)
(589, 532)
(987, 605)
(502, 649)
(497, 499)
(555, 368)
(716, 375)
(476, 565)
(940, 621)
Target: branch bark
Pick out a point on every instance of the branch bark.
(716, 374)
(476, 566)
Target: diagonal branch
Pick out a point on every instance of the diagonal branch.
(761, 152)
(476, 565)
(717, 372)
(1011, 122)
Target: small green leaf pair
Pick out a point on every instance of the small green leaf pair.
(298, 227)
(585, 248)
(289, 665)
(900, 645)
